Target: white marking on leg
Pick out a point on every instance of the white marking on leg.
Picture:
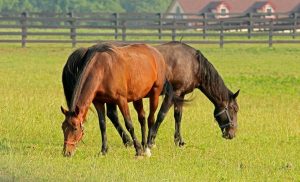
(148, 152)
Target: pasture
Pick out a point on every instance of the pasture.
(266, 147)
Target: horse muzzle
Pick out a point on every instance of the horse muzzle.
(68, 151)
(228, 134)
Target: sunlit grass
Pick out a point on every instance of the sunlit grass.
(266, 147)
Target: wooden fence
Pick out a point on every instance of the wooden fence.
(221, 29)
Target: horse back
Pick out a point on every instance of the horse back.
(130, 71)
(182, 64)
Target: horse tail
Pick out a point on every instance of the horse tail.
(172, 97)
(71, 72)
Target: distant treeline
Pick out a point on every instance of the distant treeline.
(61, 6)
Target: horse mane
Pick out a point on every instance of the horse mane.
(71, 72)
(212, 84)
(76, 70)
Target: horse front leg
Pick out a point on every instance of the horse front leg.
(123, 106)
(166, 104)
(101, 116)
(154, 99)
(138, 106)
(112, 114)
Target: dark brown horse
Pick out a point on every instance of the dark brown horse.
(114, 75)
(189, 70)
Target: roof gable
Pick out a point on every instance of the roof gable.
(259, 6)
(213, 6)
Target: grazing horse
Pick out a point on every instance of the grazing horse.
(189, 70)
(114, 75)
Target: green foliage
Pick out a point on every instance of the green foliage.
(85, 5)
(266, 147)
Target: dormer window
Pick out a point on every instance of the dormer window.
(223, 11)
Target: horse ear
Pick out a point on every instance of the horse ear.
(77, 111)
(64, 111)
(236, 94)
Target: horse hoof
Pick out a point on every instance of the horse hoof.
(104, 151)
(178, 142)
(148, 152)
(181, 144)
(151, 145)
(128, 144)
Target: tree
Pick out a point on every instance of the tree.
(57, 6)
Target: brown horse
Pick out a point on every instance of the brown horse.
(189, 70)
(113, 75)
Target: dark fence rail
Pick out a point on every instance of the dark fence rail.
(221, 29)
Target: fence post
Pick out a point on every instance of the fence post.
(271, 33)
(123, 30)
(295, 16)
(250, 25)
(174, 30)
(160, 25)
(221, 34)
(72, 29)
(204, 25)
(116, 25)
(23, 20)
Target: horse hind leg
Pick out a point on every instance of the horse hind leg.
(123, 106)
(138, 105)
(112, 114)
(101, 116)
(177, 116)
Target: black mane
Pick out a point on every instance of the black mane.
(71, 72)
(74, 70)
(212, 84)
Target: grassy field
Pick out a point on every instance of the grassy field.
(266, 147)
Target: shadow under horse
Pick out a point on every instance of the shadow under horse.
(189, 70)
(115, 75)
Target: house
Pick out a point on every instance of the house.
(262, 7)
(222, 7)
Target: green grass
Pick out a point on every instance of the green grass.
(266, 147)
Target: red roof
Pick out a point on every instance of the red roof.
(236, 6)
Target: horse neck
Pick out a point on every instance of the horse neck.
(71, 73)
(86, 96)
(85, 90)
(211, 83)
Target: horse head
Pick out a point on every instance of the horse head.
(72, 129)
(226, 116)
